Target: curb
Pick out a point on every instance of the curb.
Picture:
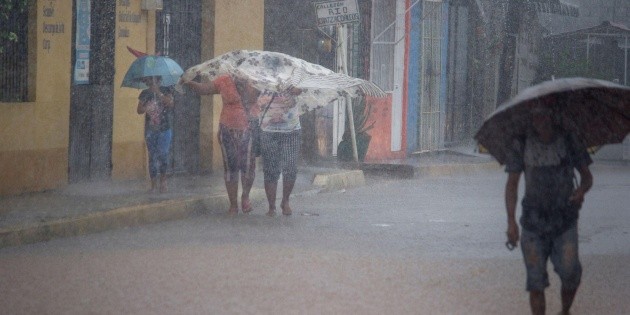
(339, 180)
(453, 169)
(116, 218)
(181, 208)
(155, 212)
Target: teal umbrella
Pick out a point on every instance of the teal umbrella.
(150, 66)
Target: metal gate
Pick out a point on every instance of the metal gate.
(178, 35)
(459, 110)
(430, 112)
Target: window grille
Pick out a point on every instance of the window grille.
(431, 74)
(383, 44)
(14, 57)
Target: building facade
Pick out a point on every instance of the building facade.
(71, 121)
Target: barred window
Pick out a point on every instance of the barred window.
(14, 51)
(383, 43)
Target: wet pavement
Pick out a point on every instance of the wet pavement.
(414, 246)
(93, 207)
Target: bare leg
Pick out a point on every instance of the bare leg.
(537, 302)
(270, 190)
(287, 188)
(232, 190)
(567, 300)
(163, 186)
(247, 184)
(154, 185)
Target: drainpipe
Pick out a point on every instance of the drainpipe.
(151, 6)
(588, 47)
(625, 63)
(150, 32)
(506, 66)
(341, 50)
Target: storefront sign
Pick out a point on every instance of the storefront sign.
(336, 12)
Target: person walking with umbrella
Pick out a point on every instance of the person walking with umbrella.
(156, 103)
(547, 157)
(543, 133)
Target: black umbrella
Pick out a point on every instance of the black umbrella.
(597, 111)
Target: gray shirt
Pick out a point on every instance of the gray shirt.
(549, 180)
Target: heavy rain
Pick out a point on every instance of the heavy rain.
(314, 156)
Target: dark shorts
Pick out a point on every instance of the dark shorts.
(561, 249)
(236, 148)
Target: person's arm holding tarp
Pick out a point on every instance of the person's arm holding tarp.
(205, 88)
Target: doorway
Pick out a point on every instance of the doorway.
(178, 35)
(92, 104)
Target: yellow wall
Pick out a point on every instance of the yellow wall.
(237, 25)
(227, 25)
(129, 156)
(34, 135)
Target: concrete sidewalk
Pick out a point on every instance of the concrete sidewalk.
(94, 207)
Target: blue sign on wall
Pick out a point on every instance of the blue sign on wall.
(82, 65)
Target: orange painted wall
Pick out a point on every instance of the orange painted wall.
(380, 144)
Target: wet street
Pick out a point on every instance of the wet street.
(420, 246)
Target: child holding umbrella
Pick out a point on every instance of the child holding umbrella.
(156, 103)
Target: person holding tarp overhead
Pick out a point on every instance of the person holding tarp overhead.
(237, 123)
(291, 86)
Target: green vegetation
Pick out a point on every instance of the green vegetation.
(361, 111)
(7, 35)
(564, 62)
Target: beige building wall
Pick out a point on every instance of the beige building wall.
(34, 135)
(129, 154)
(229, 25)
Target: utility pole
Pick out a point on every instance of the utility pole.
(510, 34)
(342, 49)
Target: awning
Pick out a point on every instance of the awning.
(554, 7)
(606, 29)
